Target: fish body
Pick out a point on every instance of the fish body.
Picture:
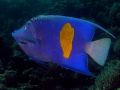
(65, 41)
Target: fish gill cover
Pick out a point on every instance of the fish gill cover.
(18, 72)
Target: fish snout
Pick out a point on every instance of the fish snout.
(18, 34)
(23, 36)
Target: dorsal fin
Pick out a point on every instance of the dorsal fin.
(99, 27)
(98, 50)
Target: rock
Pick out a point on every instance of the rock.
(1, 67)
(5, 53)
(114, 13)
(118, 89)
(2, 87)
(10, 78)
(108, 78)
(116, 47)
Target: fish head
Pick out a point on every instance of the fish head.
(26, 39)
(24, 36)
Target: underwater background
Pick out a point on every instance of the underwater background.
(18, 72)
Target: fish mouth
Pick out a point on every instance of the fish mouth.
(26, 42)
(23, 37)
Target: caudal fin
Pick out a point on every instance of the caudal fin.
(98, 50)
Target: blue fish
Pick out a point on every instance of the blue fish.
(62, 40)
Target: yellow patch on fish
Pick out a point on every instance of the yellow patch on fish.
(66, 39)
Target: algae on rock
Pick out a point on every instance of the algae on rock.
(109, 74)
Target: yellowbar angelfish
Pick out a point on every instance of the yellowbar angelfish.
(66, 41)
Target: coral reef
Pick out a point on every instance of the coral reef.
(18, 72)
(108, 79)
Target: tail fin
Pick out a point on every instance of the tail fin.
(98, 50)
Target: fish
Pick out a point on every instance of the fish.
(63, 40)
